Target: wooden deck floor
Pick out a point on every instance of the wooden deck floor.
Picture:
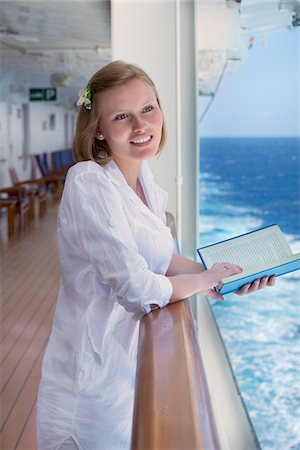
(29, 283)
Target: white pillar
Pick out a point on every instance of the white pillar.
(159, 36)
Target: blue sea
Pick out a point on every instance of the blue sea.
(247, 183)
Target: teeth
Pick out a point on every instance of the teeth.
(141, 141)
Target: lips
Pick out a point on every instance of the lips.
(142, 140)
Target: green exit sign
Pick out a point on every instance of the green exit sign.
(42, 94)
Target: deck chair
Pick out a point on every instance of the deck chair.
(35, 188)
(62, 160)
(52, 181)
(18, 197)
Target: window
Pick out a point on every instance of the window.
(250, 177)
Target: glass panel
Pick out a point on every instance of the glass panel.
(249, 178)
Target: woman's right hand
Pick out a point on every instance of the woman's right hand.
(213, 277)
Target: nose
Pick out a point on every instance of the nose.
(139, 125)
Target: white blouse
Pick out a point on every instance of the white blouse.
(114, 253)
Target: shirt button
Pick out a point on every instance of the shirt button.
(112, 222)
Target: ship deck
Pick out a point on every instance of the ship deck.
(30, 277)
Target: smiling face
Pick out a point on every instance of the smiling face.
(130, 121)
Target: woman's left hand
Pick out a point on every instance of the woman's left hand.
(256, 285)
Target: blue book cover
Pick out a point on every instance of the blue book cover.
(262, 252)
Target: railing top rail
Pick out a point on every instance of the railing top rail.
(172, 404)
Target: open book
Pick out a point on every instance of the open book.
(263, 252)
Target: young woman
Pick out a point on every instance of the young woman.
(117, 264)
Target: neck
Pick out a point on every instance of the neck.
(130, 171)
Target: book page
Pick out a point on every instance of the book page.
(286, 265)
(250, 251)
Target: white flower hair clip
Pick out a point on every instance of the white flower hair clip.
(85, 97)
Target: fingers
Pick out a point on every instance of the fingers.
(243, 290)
(272, 281)
(225, 269)
(213, 277)
(256, 285)
(215, 295)
(260, 284)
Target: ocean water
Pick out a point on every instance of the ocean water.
(247, 183)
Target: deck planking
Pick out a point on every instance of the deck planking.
(29, 283)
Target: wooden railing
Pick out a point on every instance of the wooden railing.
(172, 405)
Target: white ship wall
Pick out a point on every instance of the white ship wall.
(27, 129)
(160, 37)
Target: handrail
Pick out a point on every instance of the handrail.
(172, 408)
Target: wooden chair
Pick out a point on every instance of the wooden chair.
(18, 196)
(10, 206)
(36, 188)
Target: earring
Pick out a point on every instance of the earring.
(100, 137)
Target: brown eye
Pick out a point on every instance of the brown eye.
(148, 108)
(121, 116)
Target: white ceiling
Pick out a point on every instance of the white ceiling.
(67, 40)
(62, 43)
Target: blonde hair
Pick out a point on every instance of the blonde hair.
(85, 145)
